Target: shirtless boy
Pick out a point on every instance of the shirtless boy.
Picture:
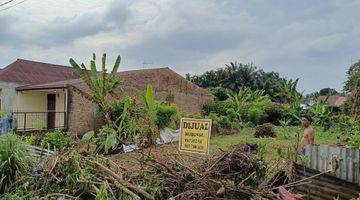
(308, 139)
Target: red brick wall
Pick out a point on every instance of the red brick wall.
(82, 115)
(189, 97)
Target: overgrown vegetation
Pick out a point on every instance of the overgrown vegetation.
(101, 86)
(236, 75)
(56, 140)
(72, 176)
(259, 110)
(352, 85)
(15, 161)
(141, 121)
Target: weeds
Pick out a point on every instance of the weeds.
(354, 140)
(57, 140)
(15, 160)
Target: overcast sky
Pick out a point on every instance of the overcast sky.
(315, 41)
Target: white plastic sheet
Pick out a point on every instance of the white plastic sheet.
(168, 135)
(130, 148)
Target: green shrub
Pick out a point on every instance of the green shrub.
(2, 114)
(15, 160)
(250, 105)
(345, 124)
(231, 114)
(293, 113)
(322, 115)
(133, 122)
(215, 128)
(219, 93)
(56, 140)
(275, 113)
(256, 115)
(218, 107)
(140, 121)
(165, 115)
(19, 195)
(106, 140)
(354, 140)
(30, 139)
(348, 107)
(170, 98)
(116, 109)
(103, 193)
(33, 139)
(192, 115)
(224, 122)
(152, 186)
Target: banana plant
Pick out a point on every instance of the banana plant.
(322, 114)
(149, 98)
(246, 100)
(150, 104)
(101, 85)
(119, 122)
(289, 91)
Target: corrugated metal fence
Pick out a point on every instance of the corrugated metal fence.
(334, 173)
(345, 160)
(325, 186)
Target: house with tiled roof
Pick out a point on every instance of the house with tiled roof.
(333, 100)
(41, 97)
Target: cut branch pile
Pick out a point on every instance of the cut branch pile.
(72, 176)
(236, 164)
(228, 175)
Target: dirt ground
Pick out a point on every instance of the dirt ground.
(131, 161)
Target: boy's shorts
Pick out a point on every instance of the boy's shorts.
(303, 151)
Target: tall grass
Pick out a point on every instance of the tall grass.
(14, 160)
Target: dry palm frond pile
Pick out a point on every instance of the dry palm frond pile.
(264, 130)
(233, 174)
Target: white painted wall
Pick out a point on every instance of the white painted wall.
(31, 101)
(8, 96)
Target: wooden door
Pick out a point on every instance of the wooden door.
(51, 107)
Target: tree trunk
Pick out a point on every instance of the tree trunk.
(356, 95)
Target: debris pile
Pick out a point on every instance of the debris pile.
(233, 174)
(72, 176)
(264, 130)
(235, 165)
(237, 173)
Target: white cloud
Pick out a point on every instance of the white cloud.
(299, 39)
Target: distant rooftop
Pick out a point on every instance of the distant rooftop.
(333, 100)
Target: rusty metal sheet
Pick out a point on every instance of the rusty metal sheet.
(321, 157)
(325, 186)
